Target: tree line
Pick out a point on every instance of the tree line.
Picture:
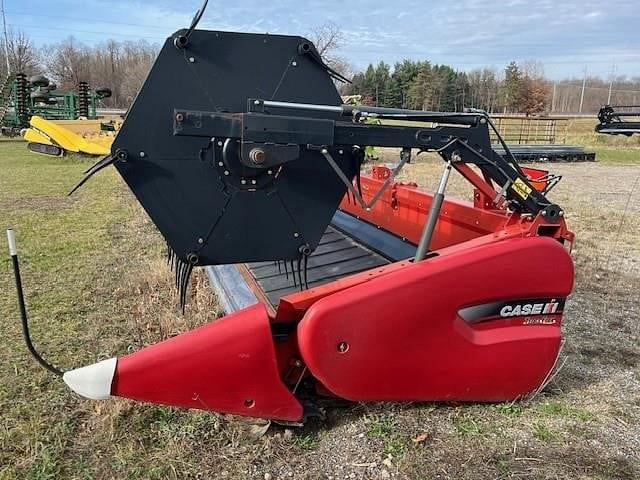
(415, 84)
(120, 66)
(519, 88)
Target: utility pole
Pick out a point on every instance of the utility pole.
(553, 98)
(613, 74)
(6, 38)
(584, 84)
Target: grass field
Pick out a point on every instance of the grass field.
(609, 148)
(97, 286)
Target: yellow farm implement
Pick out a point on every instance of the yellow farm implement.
(77, 136)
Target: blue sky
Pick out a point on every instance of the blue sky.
(565, 35)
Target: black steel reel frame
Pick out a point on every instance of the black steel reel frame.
(272, 134)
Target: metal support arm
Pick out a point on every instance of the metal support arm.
(434, 213)
(269, 139)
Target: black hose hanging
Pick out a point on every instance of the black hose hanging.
(23, 309)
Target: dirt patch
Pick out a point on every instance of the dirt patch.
(620, 356)
(50, 203)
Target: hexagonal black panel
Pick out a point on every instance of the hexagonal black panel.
(197, 208)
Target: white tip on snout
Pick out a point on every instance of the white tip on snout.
(11, 239)
(92, 381)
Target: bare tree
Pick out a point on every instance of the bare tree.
(328, 39)
(107, 69)
(534, 89)
(23, 56)
(532, 68)
(68, 62)
(119, 66)
(534, 95)
(137, 59)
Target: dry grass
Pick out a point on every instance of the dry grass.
(97, 287)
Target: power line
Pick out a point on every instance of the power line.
(584, 83)
(155, 37)
(90, 20)
(6, 37)
(613, 72)
(587, 87)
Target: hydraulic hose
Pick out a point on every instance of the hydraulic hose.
(13, 252)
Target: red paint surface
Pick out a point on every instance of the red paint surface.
(536, 177)
(228, 366)
(407, 342)
(402, 210)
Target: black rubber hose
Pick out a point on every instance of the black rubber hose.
(23, 309)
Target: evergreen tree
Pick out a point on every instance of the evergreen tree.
(373, 85)
(511, 87)
(444, 88)
(421, 88)
(403, 74)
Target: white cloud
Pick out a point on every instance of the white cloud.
(468, 33)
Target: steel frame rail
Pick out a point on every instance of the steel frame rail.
(271, 134)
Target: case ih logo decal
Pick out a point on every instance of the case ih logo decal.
(538, 311)
(529, 309)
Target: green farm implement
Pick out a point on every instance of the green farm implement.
(23, 97)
